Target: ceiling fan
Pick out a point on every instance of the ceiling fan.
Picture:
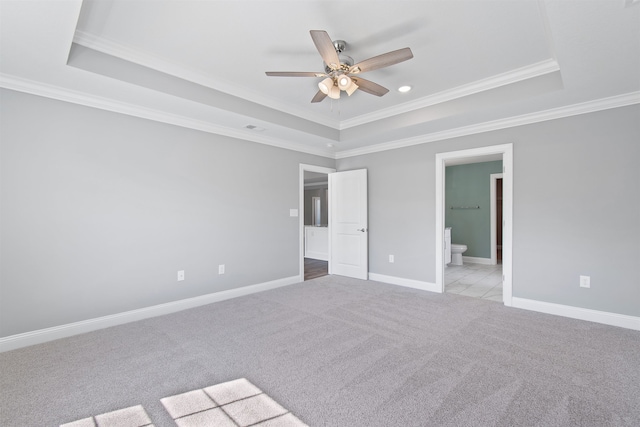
(341, 74)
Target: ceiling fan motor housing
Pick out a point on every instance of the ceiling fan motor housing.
(345, 60)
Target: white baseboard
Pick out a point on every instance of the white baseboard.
(476, 260)
(409, 283)
(613, 319)
(322, 256)
(13, 342)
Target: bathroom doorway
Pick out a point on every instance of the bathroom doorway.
(483, 154)
(470, 217)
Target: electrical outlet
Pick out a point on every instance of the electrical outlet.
(180, 275)
(221, 269)
(391, 258)
(585, 281)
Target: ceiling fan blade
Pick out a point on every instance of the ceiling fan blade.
(319, 97)
(325, 46)
(294, 74)
(381, 61)
(370, 87)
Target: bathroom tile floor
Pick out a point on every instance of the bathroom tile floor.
(474, 280)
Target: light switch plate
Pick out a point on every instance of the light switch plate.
(293, 212)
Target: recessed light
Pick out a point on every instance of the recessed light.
(330, 145)
(404, 89)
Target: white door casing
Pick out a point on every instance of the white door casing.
(442, 159)
(349, 234)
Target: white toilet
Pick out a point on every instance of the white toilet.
(456, 253)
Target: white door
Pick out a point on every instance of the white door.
(348, 218)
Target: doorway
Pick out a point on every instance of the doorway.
(313, 221)
(497, 152)
(497, 220)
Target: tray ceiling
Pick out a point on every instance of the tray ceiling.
(202, 64)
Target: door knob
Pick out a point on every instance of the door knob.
(362, 229)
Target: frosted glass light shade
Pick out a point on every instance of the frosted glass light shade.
(326, 85)
(352, 88)
(334, 92)
(344, 81)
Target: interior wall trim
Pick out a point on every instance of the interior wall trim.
(593, 106)
(88, 100)
(409, 283)
(477, 260)
(13, 342)
(606, 318)
(128, 53)
(493, 82)
(603, 317)
(61, 94)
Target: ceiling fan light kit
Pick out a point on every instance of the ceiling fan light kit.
(331, 86)
(344, 82)
(338, 67)
(352, 88)
(334, 93)
(326, 85)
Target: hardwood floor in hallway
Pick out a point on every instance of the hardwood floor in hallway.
(315, 268)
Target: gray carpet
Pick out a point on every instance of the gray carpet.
(342, 352)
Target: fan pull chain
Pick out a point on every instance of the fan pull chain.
(339, 109)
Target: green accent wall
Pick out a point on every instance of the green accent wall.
(469, 185)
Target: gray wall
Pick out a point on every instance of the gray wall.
(576, 208)
(100, 210)
(470, 185)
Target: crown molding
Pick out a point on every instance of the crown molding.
(75, 97)
(127, 53)
(617, 101)
(89, 100)
(493, 82)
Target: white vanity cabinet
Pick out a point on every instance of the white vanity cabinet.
(316, 242)
(447, 245)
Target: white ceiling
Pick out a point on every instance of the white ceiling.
(478, 65)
